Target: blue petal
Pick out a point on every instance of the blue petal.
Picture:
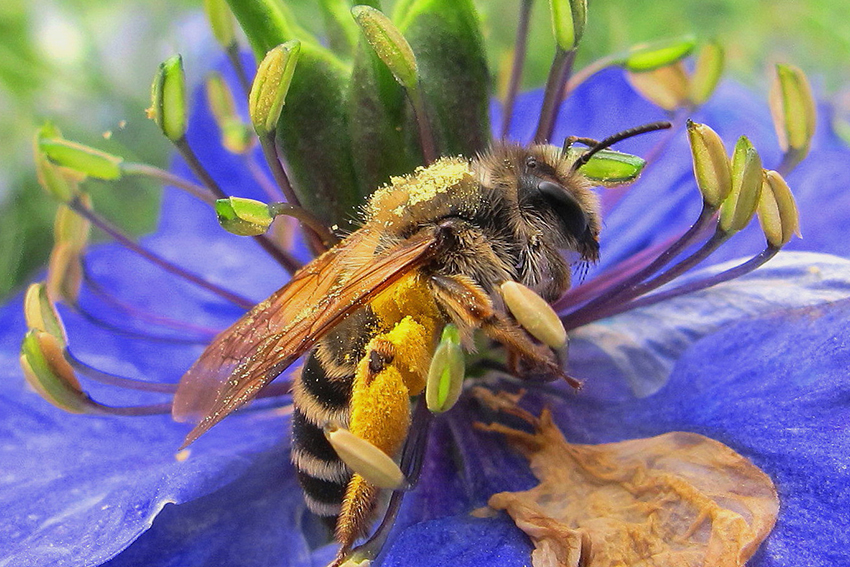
(461, 541)
(79, 489)
(632, 354)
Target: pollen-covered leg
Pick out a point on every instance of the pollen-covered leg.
(392, 370)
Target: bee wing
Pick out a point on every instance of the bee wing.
(268, 339)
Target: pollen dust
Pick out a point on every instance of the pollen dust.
(677, 499)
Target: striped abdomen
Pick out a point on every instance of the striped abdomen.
(321, 395)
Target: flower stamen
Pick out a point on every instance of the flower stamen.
(116, 234)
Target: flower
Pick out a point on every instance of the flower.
(758, 363)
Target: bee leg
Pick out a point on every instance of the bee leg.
(469, 307)
(392, 370)
(412, 458)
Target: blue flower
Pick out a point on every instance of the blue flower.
(758, 363)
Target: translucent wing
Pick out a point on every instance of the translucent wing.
(268, 339)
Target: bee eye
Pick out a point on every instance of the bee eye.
(565, 206)
(531, 163)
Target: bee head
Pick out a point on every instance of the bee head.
(547, 187)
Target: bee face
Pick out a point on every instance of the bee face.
(549, 207)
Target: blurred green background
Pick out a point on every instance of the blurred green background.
(86, 65)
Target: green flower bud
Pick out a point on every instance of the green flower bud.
(569, 18)
(245, 217)
(81, 158)
(534, 314)
(168, 99)
(365, 459)
(609, 167)
(389, 45)
(706, 75)
(777, 210)
(711, 164)
(793, 108)
(221, 22)
(446, 372)
(271, 84)
(49, 374)
(747, 177)
(40, 313)
(651, 56)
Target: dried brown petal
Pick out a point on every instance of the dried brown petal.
(676, 499)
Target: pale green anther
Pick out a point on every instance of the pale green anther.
(446, 373)
(665, 86)
(707, 72)
(221, 21)
(389, 45)
(534, 314)
(84, 159)
(57, 181)
(711, 164)
(168, 99)
(793, 108)
(268, 93)
(366, 459)
(40, 313)
(649, 56)
(220, 98)
(236, 136)
(609, 167)
(245, 217)
(60, 183)
(777, 210)
(569, 18)
(70, 227)
(738, 209)
(49, 374)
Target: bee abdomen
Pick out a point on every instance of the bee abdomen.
(322, 395)
(323, 477)
(319, 400)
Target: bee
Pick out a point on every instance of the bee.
(434, 248)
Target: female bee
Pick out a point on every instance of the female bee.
(434, 249)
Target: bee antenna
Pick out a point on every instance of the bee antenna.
(619, 137)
